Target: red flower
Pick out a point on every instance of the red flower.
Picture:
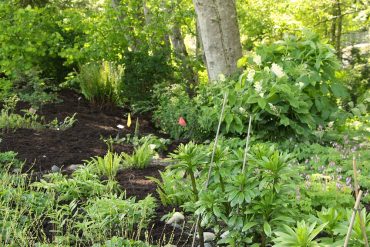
(182, 122)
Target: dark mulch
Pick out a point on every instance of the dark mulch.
(44, 148)
(41, 149)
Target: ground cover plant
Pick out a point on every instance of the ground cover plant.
(184, 123)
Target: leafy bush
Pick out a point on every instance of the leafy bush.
(289, 87)
(101, 83)
(31, 39)
(141, 72)
(174, 103)
(247, 205)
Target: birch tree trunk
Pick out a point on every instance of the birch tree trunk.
(220, 35)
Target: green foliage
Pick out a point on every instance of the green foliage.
(140, 158)
(80, 210)
(289, 87)
(111, 214)
(141, 72)
(9, 160)
(173, 104)
(172, 188)
(356, 75)
(248, 205)
(106, 166)
(101, 83)
(11, 121)
(303, 235)
(356, 236)
(31, 39)
(31, 88)
(119, 241)
(82, 185)
(5, 88)
(67, 123)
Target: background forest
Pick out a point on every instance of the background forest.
(283, 85)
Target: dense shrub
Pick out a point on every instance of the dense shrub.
(141, 72)
(289, 87)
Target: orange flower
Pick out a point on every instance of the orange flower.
(182, 122)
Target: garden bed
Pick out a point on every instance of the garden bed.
(42, 149)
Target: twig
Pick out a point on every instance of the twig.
(247, 144)
(355, 209)
(211, 165)
(362, 224)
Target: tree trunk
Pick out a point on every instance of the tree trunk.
(220, 36)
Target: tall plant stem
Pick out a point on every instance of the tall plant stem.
(351, 222)
(362, 224)
(210, 169)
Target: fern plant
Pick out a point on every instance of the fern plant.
(140, 158)
(101, 83)
(107, 165)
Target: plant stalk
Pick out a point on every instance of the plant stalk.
(352, 221)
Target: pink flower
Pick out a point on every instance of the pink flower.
(182, 122)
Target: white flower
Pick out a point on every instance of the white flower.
(277, 70)
(258, 87)
(300, 85)
(330, 124)
(152, 146)
(120, 126)
(250, 75)
(241, 110)
(257, 59)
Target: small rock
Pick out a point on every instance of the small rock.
(55, 168)
(209, 236)
(73, 167)
(176, 218)
(206, 245)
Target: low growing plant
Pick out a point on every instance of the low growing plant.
(302, 236)
(112, 215)
(106, 166)
(140, 158)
